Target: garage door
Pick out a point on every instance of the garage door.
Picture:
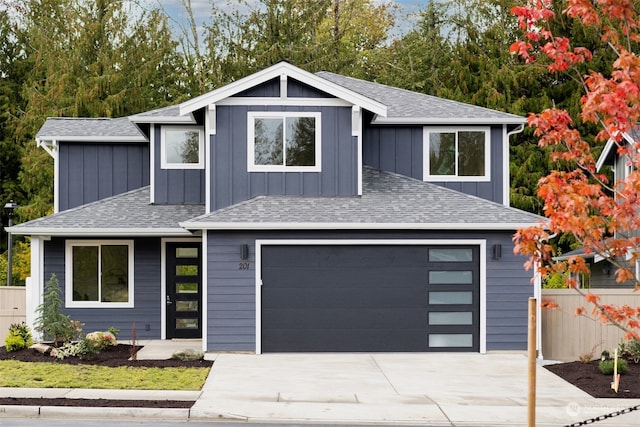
(370, 298)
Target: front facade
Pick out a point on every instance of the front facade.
(289, 211)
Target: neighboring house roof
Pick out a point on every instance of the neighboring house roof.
(89, 130)
(609, 151)
(128, 214)
(406, 107)
(389, 201)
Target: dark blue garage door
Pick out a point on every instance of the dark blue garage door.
(370, 298)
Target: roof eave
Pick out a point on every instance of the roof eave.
(202, 225)
(98, 232)
(183, 119)
(447, 121)
(93, 138)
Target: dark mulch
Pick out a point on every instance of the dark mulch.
(97, 403)
(587, 377)
(111, 357)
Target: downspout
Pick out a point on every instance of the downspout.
(537, 277)
(505, 163)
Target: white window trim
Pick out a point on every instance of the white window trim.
(68, 265)
(163, 152)
(439, 178)
(253, 115)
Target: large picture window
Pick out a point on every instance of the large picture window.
(456, 154)
(99, 274)
(283, 141)
(182, 147)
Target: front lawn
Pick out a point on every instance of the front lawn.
(15, 373)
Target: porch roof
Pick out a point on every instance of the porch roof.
(127, 214)
(389, 201)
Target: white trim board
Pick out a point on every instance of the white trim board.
(481, 243)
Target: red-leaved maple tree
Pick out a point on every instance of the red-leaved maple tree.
(603, 216)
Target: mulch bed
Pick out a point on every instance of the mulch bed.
(587, 377)
(111, 357)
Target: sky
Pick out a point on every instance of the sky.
(201, 9)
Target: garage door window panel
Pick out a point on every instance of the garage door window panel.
(451, 340)
(450, 297)
(451, 318)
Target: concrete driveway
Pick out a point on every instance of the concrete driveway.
(439, 389)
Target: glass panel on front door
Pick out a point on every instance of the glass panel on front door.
(184, 290)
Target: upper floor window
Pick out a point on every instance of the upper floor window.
(182, 148)
(460, 154)
(283, 142)
(99, 273)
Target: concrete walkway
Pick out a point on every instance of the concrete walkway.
(438, 389)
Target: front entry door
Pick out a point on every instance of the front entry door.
(184, 290)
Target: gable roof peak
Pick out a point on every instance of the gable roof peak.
(283, 70)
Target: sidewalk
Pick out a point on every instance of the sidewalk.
(438, 389)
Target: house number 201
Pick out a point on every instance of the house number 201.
(243, 266)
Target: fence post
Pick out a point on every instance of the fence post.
(531, 400)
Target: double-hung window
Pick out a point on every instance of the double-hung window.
(182, 147)
(456, 154)
(283, 141)
(99, 273)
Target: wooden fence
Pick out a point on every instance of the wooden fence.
(566, 337)
(13, 308)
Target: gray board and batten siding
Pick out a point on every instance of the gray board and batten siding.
(147, 278)
(400, 149)
(271, 89)
(231, 288)
(176, 186)
(90, 172)
(231, 183)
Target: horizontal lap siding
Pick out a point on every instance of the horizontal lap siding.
(231, 296)
(147, 296)
(231, 291)
(90, 172)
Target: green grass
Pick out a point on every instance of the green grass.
(49, 375)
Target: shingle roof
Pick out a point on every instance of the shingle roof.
(124, 214)
(103, 129)
(405, 104)
(389, 201)
(170, 114)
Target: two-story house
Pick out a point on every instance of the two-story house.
(289, 211)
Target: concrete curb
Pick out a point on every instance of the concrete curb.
(18, 411)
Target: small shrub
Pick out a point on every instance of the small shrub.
(606, 366)
(188, 355)
(14, 343)
(114, 331)
(19, 337)
(630, 350)
(51, 322)
(82, 349)
(101, 340)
